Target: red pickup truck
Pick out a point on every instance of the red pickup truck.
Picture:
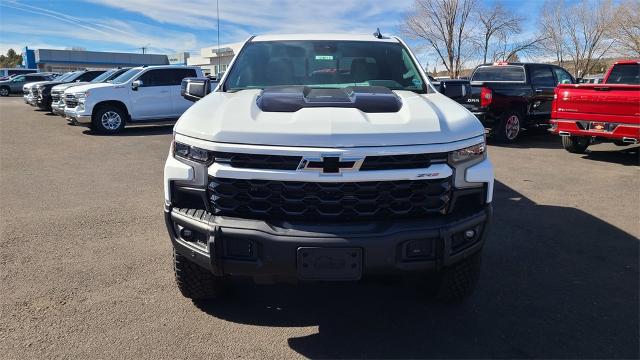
(609, 111)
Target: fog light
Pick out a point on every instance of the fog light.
(186, 234)
(469, 234)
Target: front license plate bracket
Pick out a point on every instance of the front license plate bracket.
(330, 264)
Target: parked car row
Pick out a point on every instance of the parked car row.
(510, 97)
(106, 101)
(15, 83)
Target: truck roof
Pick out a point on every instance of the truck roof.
(323, 36)
(505, 63)
(631, 61)
(165, 67)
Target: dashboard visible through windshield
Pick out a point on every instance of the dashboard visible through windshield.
(324, 64)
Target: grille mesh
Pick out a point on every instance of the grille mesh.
(288, 200)
(71, 101)
(395, 162)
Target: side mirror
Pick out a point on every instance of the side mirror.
(194, 89)
(136, 84)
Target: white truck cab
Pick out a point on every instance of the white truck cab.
(141, 94)
(323, 157)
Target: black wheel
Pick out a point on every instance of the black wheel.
(195, 282)
(108, 120)
(457, 282)
(575, 144)
(509, 128)
(5, 91)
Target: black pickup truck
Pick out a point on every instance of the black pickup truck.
(508, 97)
(44, 100)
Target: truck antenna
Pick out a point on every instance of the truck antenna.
(218, 31)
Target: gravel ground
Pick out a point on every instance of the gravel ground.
(85, 263)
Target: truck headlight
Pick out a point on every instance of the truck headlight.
(82, 97)
(192, 153)
(462, 159)
(472, 153)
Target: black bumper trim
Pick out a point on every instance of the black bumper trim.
(380, 241)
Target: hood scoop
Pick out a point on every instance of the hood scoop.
(368, 99)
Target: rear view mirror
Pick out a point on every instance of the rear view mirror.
(136, 84)
(194, 89)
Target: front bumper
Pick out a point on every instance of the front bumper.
(58, 108)
(271, 249)
(77, 117)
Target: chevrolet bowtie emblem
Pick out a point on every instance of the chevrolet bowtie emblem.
(327, 164)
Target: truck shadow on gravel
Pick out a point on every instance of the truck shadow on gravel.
(142, 130)
(557, 283)
(629, 156)
(534, 138)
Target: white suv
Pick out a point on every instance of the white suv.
(326, 157)
(140, 95)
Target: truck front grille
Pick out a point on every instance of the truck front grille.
(71, 101)
(282, 162)
(55, 96)
(292, 200)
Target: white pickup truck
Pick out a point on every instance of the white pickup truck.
(57, 92)
(143, 94)
(326, 158)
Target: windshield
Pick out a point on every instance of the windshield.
(63, 76)
(126, 76)
(625, 74)
(71, 76)
(103, 77)
(500, 73)
(324, 64)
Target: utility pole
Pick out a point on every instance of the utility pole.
(144, 48)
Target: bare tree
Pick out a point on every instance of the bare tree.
(508, 50)
(626, 27)
(496, 21)
(588, 25)
(444, 25)
(552, 28)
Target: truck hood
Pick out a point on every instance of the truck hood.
(31, 84)
(91, 86)
(63, 87)
(235, 118)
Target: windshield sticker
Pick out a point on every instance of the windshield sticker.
(324, 57)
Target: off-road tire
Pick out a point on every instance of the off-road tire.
(456, 283)
(5, 91)
(195, 282)
(100, 127)
(575, 144)
(504, 131)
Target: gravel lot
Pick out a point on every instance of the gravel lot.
(85, 263)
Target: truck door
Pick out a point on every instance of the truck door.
(180, 104)
(543, 83)
(152, 100)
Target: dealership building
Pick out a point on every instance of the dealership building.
(68, 60)
(215, 59)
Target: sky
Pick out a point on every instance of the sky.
(169, 26)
